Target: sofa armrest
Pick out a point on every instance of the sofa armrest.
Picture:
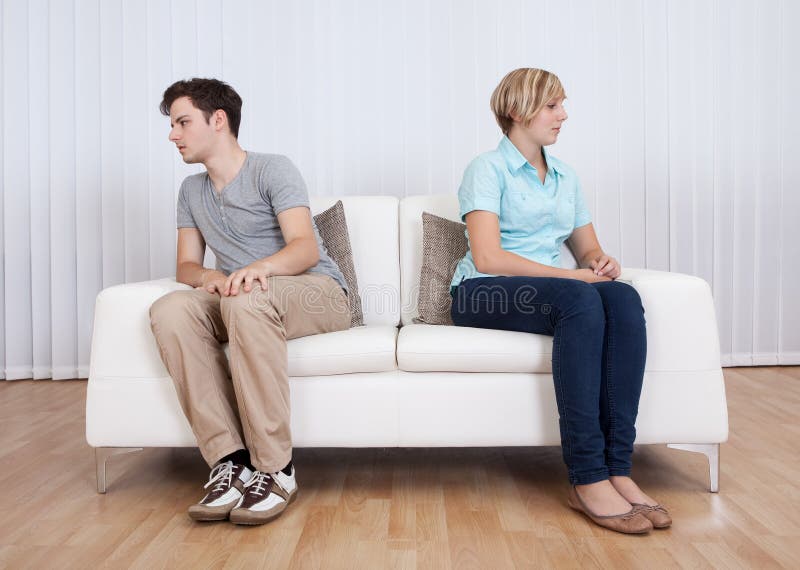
(681, 322)
(122, 343)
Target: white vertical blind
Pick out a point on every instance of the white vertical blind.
(63, 143)
(88, 188)
(683, 128)
(785, 97)
(16, 176)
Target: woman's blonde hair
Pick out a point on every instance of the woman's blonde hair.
(524, 92)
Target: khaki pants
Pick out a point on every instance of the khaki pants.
(244, 404)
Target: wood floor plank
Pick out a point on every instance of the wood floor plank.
(433, 555)
(397, 508)
(308, 552)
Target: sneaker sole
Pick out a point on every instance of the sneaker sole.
(249, 519)
(209, 515)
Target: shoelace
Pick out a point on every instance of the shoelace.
(220, 477)
(259, 482)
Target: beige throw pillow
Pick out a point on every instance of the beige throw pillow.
(443, 246)
(332, 226)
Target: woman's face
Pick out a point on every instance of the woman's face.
(546, 125)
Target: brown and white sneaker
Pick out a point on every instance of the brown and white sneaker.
(266, 496)
(227, 482)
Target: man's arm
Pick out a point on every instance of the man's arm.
(299, 254)
(301, 251)
(191, 251)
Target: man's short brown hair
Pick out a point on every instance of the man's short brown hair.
(208, 95)
(524, 92)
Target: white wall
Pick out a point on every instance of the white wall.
(683, 125)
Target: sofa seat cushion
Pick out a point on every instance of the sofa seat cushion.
(359, 349)
(437, 348)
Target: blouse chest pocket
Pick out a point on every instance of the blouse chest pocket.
(525, 212)
(565, 216)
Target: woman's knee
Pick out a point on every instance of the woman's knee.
(623, 302)
(622, 295)
(581, 298)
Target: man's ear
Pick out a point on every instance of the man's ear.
(219, 119)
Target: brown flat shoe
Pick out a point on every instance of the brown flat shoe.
(632, 522)
(656, 514)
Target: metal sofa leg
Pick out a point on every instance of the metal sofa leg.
(711, 451)
(101, 455)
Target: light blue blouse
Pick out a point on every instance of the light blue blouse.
(535, 218)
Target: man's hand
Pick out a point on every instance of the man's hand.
(606, 266)
(258, 270)
(214, 282)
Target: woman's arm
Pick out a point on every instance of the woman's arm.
(588, 253)
(484, 242)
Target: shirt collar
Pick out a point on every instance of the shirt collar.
(515, 160)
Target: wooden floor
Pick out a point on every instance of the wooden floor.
(397, 508)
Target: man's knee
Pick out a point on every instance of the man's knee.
(256, 301)
(171, 309)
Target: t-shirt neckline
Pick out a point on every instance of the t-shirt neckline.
(235, 178)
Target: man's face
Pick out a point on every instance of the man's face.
(190, 132)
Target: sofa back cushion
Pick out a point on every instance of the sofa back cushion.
(332, 226)
(373, 227)
(444, 244)
(411, 208)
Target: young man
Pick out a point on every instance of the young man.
(273, 281)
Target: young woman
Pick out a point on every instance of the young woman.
(520, 203)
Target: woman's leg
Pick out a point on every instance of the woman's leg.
(622, 372)
(624, 354)
(572, 312)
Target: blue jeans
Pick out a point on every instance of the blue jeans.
(599, 350)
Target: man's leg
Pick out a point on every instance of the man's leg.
(189, 330)
(259, 324)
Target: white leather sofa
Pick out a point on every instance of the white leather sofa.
(393, 383)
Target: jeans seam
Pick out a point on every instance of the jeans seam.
(610, 388)
(560, 389)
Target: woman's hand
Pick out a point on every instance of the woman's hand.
(607, 266)
(588, 275)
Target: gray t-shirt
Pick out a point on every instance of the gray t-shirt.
(240, 224)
